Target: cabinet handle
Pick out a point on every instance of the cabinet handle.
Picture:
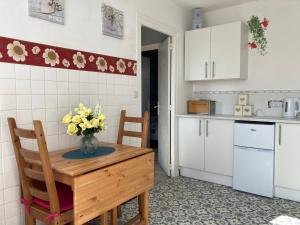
(279, 141)
(206, 128)
(206, 70)
(200, 124)
(213, 69)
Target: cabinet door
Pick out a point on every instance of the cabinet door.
(191, 143)
(219, 147)
(227, 51)
(197, 54)
(287, 156)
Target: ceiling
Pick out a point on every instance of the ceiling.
(210, 4)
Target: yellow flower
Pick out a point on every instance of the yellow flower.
(95, 123)
(102, 125)
(67, 118)
(72, 129)
(76, 119)
(101, 117)
(85, 124)
(85, 112)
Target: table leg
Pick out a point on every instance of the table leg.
(114, 216)
(144, 207)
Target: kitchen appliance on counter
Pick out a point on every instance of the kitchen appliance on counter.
(202, 106)
(291, 106)
(254, 144)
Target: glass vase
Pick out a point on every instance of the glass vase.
(89, 144)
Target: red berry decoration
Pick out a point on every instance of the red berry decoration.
(252, 45)
(265, 23)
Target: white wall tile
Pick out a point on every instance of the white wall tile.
(24, 116)
(11, 179)
(85, 89)
(51, 101)
(63, 101)
(52, 128)
(50, 87)
(7, 86)
(62, 75)
(63, 88)
(37, 87)
(84, 76)
(38, 101)
(22, 72)
(51, 115)
(11, 194)
(74, 88)
(7, 149)
(8, 102)
(39, 114)
(23, 87)
(7, 70)
(73, 75)
(37, 73)
(50, 74)
(9, 165)
(23, 101)
(12, 210)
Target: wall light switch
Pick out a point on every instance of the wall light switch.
(135, 94)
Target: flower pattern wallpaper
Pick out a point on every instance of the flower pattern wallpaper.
(29, 53)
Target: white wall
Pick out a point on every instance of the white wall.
(57, 91)
(280, 68)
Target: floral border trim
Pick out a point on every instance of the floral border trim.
(30, 53)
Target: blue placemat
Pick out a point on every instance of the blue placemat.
(77, 154)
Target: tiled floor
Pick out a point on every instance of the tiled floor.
(185, 201)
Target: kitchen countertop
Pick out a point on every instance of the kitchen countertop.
(243, 118)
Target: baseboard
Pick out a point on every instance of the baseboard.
(206, 176)
(286, 193)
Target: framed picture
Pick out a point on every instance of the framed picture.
(112, 22)
(50, 10)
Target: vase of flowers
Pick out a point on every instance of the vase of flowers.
(85, 122)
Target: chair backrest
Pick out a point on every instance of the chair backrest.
(143, 134)
(37, 179)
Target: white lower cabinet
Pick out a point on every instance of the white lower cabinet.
(287, 156)
(206, 145)
(191, 143)
(219, 147)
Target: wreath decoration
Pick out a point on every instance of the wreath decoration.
(257, 29)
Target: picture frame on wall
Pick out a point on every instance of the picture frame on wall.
(112, 22)
(50, 10)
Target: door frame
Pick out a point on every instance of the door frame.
(159, 26)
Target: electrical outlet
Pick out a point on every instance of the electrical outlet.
(275, 104)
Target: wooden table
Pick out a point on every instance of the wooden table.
(102, 183)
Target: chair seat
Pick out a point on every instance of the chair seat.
(65, 197)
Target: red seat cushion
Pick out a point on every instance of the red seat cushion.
(65, 197)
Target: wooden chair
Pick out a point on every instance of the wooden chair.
(143, 135)
(43, 198)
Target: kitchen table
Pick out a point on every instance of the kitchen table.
(102, 183)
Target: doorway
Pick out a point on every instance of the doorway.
(156, 93)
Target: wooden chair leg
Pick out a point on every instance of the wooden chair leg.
(104, 219)
(30, 220)
(119, 210)
(114, 216)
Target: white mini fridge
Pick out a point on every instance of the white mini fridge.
(254, 157)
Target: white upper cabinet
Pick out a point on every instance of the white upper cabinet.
(197, 54)
(223, 46)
